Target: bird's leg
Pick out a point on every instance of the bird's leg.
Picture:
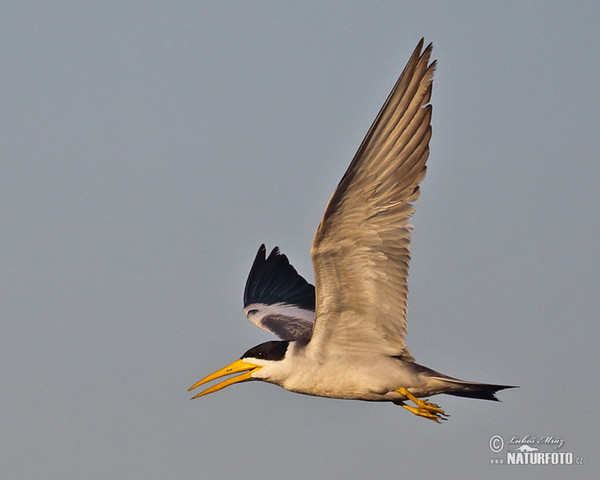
(423, 408)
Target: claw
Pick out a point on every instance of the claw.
(424, 408)
(424, 413)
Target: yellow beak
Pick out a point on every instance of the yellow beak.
(235, 367)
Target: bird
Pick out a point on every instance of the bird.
(345, 337)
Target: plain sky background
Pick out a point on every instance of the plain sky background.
(148, 148)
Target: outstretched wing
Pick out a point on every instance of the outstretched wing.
(361, 249)
(278, 299)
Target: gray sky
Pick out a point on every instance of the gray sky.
(149, 149)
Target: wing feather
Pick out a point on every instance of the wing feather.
(278, 299)
(361, 249)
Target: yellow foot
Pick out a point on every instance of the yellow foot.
(423, 408)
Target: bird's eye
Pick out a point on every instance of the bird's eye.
(252, 312)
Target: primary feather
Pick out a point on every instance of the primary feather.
(277, 298)
(361, 248)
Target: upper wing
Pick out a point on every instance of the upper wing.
(278, 299)
(361, 248)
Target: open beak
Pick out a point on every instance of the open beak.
(235, 367)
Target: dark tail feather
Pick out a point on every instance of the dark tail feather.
(460, 388)
(485, 391)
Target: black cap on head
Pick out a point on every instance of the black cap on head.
(274, 350)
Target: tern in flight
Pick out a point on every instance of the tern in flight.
(346, 337)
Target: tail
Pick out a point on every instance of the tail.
(485, 391)
(459, 388)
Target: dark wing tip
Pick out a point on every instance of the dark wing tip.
(273, 280)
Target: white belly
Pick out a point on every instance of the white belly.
(355, 377)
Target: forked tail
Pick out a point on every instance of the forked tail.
(462, 388)
(485, 391)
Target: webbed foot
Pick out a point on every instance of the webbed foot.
(423, 408)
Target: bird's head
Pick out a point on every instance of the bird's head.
(265, 355)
